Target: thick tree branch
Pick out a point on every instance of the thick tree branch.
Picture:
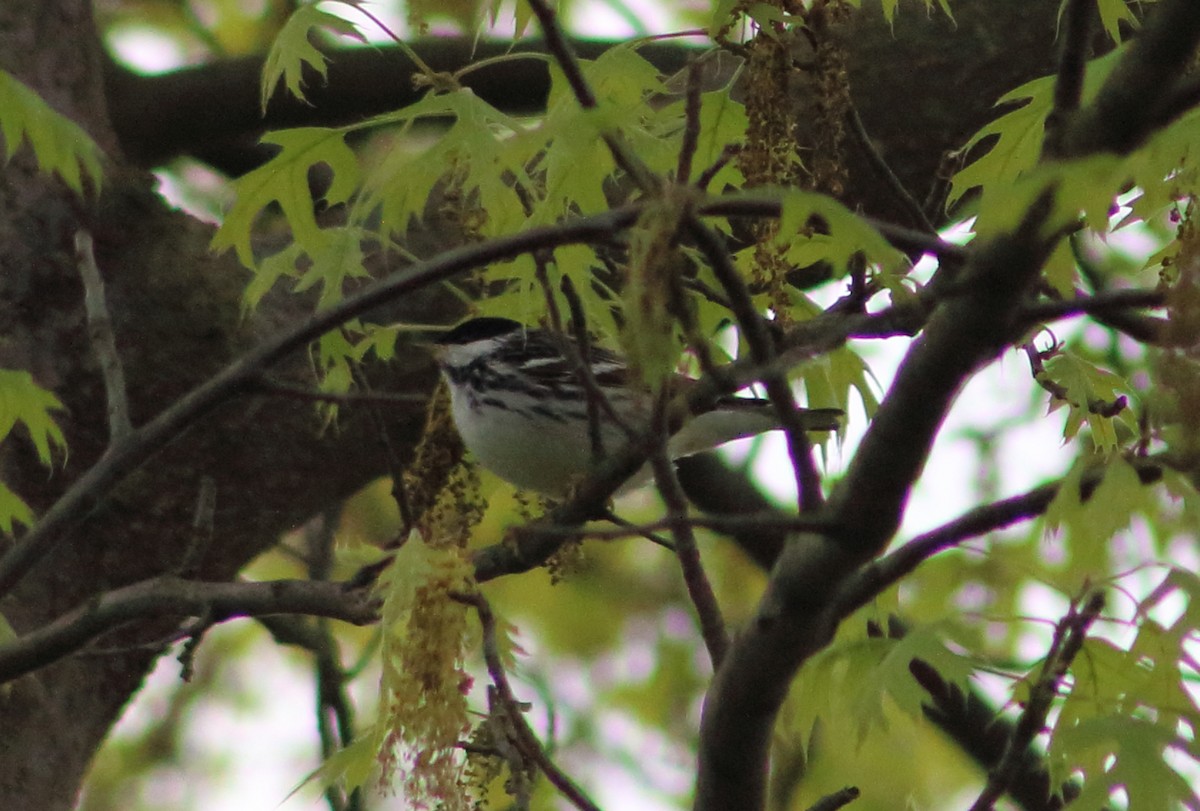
(213, 112)
(1072, 64)
(1129, 106)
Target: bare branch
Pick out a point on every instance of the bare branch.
(202, 527)
(267, 385)
(877, 161)
(173, 596)
(762, 351)
(879, 575)
(1101, 304)
(691, 130)
(100, 330)
(1072, 63)
(1069, 636)
(836, 800)
(1130, 105)
(906, 239)
(712, 624)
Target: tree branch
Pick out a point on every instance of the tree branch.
(100, 330)
(1069, 636)
(903, 196)
(526, 740)
(169, 595)
(712, 624)
(1129, 106)
(982, 733)
(1072, 64)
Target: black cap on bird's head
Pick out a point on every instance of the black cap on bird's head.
(479, 329)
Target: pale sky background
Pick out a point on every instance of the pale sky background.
(265, 740)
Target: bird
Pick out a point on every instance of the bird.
(522, 409)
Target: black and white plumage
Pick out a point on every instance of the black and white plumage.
(522, 410)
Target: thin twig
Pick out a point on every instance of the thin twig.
(100, 330)
(202, 527)
(727, 524)
(836, 800)
(939, 189)
(334, 711)
(596, 397)
(708, 611)
(579, 354)
(268, 385)
(1069, 636)
(880, 164)
(762, 351)
(395, 466)
(691, 125)
(530, 747)
(757, 204)
(629, 529)
(706, 177)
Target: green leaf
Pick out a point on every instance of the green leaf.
(483, 151)
(7, 632)
(1091, 524)
(1124, 753)
(13, 510)
(1088, 389)
(722, 122)
(829, 380)
(292, 50)
(1112, 14)
(338, 259)
(284, 180)
(22, 400)
(59, 144)
(847, 234)
(1020, 132)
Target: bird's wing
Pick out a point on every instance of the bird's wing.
(543, 362)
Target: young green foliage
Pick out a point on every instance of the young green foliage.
(59, 144)
(293, 48)
(23, 401)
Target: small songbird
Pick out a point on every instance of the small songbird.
(522, 410)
